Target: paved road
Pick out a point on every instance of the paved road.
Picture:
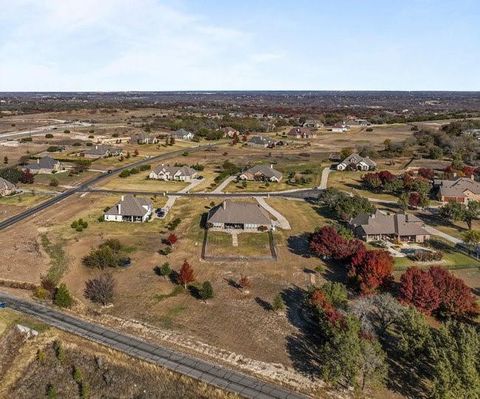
(186, 364)
(86, 185)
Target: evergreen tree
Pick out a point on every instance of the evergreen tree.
(62, 297)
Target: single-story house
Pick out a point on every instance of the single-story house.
(239, 215)
(230, 132)
(181, 173)
(44, 165)
(362, 122)
(6, 188)
(312, 123)
(144, 138)
(357, 162)
(130, 209)
(340, 128)
(182, 134)
(461, 190)
(261, 141)
(101, 151)
(301, 133)
(262, 173)
(396, 227)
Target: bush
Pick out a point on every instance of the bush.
(124, 173)
(108, 254)
(174, 224)
(163, 270)
(49, 136)
(165, 251)
(206, 291)
(145, 167)
(66, 131)
(53, 182)
(277, 304)
(62, 297)
(42, 293)
(100, 289)
(426, 256)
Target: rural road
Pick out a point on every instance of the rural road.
(186, 364)
(85, 186)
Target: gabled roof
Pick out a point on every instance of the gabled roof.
(6, 185)
(239, 212)
(265, 170)
(302, 131)
(101, 150)
(399, 223)
(43, 163)
(130, 206)
(182, 133)
(457, 188)
(356, 159)
(260, 140)
(173, 170)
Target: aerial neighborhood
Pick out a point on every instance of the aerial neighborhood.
(252, 235)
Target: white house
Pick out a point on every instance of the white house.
(130, 209)
(179, 173)
(357, 162)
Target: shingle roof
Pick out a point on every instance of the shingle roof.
(6, 185)
(101, 150)
(43, 163)
(265, 170)
(181, 133)
(356, 159)
(260, 140)
(173, 170)
(239, 212)
(398, 223)
(457, 188)
(303, 131)
(130, 206)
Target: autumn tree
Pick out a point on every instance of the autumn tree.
(371, 269)
(244, 282)
(100, 289)
(27, 177)
(172, 239)
(186, 274)
(426, 173)
(417, 289)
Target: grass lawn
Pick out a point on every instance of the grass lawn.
(452, 259)
(351, 182)
(23, 199)
(63, 179)
(249, 244)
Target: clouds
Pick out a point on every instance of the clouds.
(188, 45)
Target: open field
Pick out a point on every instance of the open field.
(249, 244)
(141, 182)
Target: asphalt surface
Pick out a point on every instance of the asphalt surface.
(86, 185)
(186, 364)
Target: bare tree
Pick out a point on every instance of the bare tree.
(100, 289)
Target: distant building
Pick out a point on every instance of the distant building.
(312, 124)
(101, 151)
(394, 227)
(179, 173)
(239, 215)
(44, 165)
(301, 133)
(356, 162)
(340, 128)
(6, 188)
(230, 132)
(362, 122)
(262, 173)
(261, 141)
(144, 138)
(130, 209)
(461, 190)
(182, 134)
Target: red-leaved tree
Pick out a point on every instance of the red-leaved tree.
(417, 289)
(186, 274)
(327, 242)
(426, 173)
(386, 176)
(172, 238)
(414, 199)
(371, 269)
(456, 298)
(27, 177)
(320, 301)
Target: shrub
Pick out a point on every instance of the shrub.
(278, 304)
(51, 392)
(49, 136)
(426, 256)
(62, 297)
(42, 293)
(59, 351)
(206, 291)
(165, 251)
(124, 173)
(100, 289)
(173, 224)
(66, 131)
(145, 167)
(53, 182)
(163, 270)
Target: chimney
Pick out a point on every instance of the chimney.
(123, 197)
(271, 166)
(224, 204)
(119, 208)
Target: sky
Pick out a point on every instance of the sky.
(162, 45)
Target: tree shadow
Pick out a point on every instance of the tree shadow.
(299, 245)
(264, 304)
(194, 291)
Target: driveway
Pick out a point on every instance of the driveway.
(448, 237)
(282, 221)
(324, 180)
(224, 184)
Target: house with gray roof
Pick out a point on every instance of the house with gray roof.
(261, 141)
(179, 173)
(44, 165)
(144, 138)
(301, 133)
(262, 173)
(7, 188)
(395, 227)
(461, 190)
(239, 215)
(130, 209)
(102, 151)
(357, 162)
(182, 134)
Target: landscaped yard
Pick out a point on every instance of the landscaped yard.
(249, 244)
